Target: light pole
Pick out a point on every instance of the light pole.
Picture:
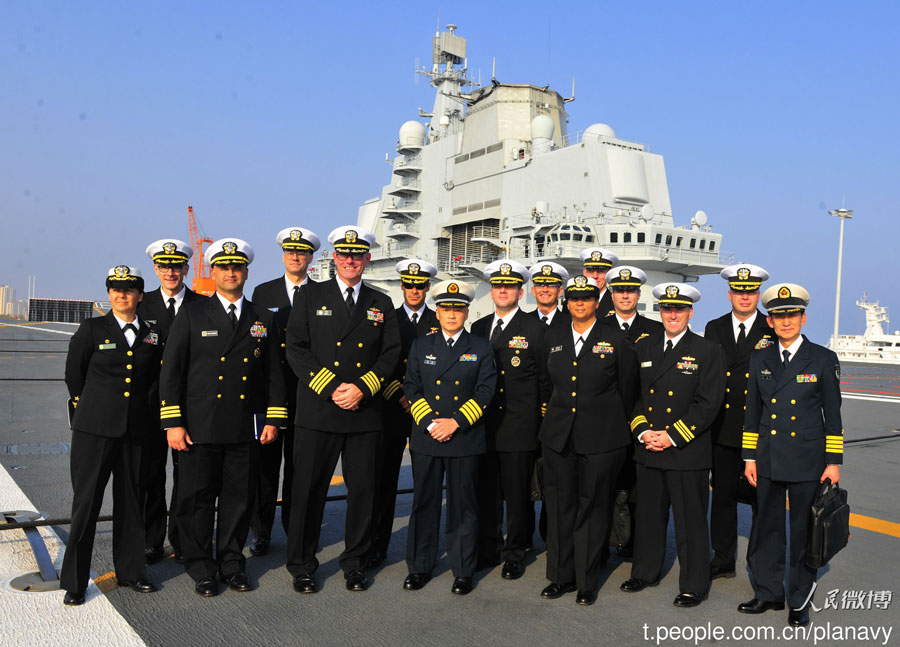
(843, 214)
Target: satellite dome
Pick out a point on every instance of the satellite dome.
(599, 130)
(542, 127)
(412, 133)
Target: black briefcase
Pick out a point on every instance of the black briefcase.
(829, 525)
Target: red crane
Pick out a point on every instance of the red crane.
(202, 284)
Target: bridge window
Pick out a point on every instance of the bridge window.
(712, 245)
(614, 237)
(658, 239)
(679, 241)
(641, 237)
(702, 243)
(669, 239)
(627, 237)
(693, 243)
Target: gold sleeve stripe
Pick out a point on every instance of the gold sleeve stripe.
(371, 380)
(277, 412)
(834, 444)
(173, 407)
(638, 420)
(684, 430)
(173, 411)
(420, 408)
(321, 380)
(749, 440)
(471, 410)
(391, 389)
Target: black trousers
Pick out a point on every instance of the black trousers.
(505, 476)
(728, 466)
(315, 457)
(578, 495)
(687, 492)
(207, 473)
(390, 451)
(156, 514)
(270, 455)
(92, 460)
(461, 526)
(768, 541)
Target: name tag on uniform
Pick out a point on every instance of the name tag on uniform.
(805, 378)
(646, 364)
(556, 349)
(431, 360)
(323, 313)
(374, 314)
(107, 346)
(518, 342)
(468, 357)
(209, 333)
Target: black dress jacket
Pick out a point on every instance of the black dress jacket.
(514, 416)
(793, 426)
(639, 328)
(110, 383)
(729, 424)
(561, 319)
(593, 392)
(681, 392)
(154, 309)
(327, 346)
(397, 419)
(456, 383)
(215, 377)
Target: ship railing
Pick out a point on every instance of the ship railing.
(402, 228)
(402, 162)
(406, 183)
(556, 217)
(402, 205)
(571, 139)
(392, 250)
(524, 249)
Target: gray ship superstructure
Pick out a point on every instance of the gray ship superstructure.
(494, 173)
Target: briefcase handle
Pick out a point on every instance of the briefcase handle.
(825, 486)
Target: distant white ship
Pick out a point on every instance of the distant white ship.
(874, 346)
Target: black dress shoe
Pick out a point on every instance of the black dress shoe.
(686, 600)
(207, 587)
(798, 618)
(512, 570)
(239, 582)
(73, 599)
(634, 585)
(415, 581)
(461, 586)
(555, 590)
(141, 586)
(356, 580)
(153, 555)
(305, 584)
(756, 605)
(259, 546)
(716, 572)
(585, 598)
(376, 559)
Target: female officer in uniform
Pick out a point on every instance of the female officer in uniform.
(111, 367)
(584, 437)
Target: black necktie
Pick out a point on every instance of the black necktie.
(497, 330)
(668, 346)
(450, 343)
(231, 315)
(414, 318)
(296, 290)
(171, 307)
(787, 356)
(625, 326)
(742, 336)
(546, 320)
(349, 301)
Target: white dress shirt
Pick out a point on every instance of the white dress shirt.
(130, 335)
(343, 286)
(237, 305)
(581, 335)
(409, 312)
(290, 285)
(792, 349)
(748, 324)
(506, 319)
(179, 298)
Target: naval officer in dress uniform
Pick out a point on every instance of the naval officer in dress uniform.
(452, 372)
(414, 319)
(111, 370)
(584, 436)
(512, 421)
(548, 280)
(682, 387)
(596, 262)
(297, 248)
(740, 333)
(171, 262)
(343, 343)
(793, 440)
(221, 365)
(625, 282)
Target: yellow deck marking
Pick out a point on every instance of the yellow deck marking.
(875, 525)
(106, 582)
(337, 480)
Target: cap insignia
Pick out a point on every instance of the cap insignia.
(547, 270)
(169, 248)
(596, 256)
(122, 271)
(453, 288)
(505, 269)
(624, 274)
(743, 273)
(580, 281)
(229, 247)
(351, 235)
(413, 268)
(672, 291)
(296, 234)
(784, 293)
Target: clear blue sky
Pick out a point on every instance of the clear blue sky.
(116, 116)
